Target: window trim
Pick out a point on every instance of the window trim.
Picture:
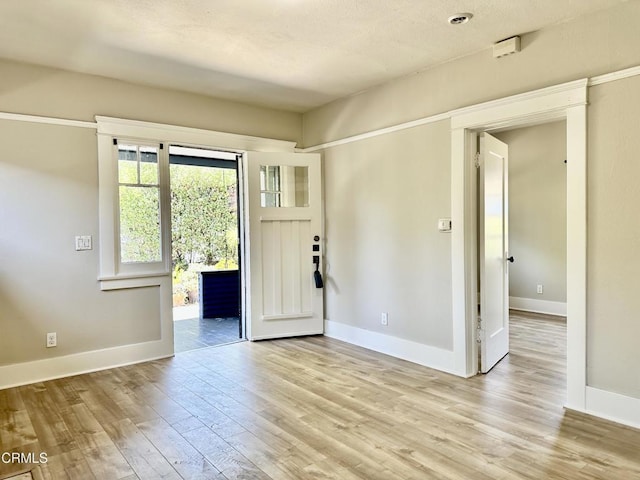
(112, 275)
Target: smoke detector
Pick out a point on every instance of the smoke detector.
(460, 18)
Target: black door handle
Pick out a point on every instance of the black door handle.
(317, 276)
(511, 259)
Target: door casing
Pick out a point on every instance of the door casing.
(566, 101)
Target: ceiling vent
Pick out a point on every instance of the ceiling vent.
(506, 47)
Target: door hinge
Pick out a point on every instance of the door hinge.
(477, 160)
(479, 332)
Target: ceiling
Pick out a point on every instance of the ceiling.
(288, 54)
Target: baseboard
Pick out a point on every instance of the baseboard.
(538, 306)
(409, 350)
(86, 362)
(613, 406)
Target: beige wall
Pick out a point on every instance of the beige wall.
(35, 90)
(538, 211)
(613, 300)
(49, 194)
(356, 193)
(383, 198)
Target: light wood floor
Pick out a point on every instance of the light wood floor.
(317, 408)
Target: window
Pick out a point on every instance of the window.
(139, 204)
(134, 211)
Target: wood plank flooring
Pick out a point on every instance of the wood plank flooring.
(317, 408)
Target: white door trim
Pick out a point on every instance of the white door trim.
(567, 101)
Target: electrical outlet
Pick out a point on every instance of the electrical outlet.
(52, 340)
(539, 288)
(384, 319)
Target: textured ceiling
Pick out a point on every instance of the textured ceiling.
(289, 54)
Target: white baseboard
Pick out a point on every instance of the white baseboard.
(411, 351)
(538, 306)
(86, 362)
(613, 406)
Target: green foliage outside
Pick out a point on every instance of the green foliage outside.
(204, 223)
(204, 226)
(203, 216)
(139, 206)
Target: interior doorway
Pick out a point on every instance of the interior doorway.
(205, 248)
(565, 101)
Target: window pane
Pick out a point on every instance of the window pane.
(263, 178)
(284, 186)
(148, 166)
(140, 224)
(273, 179)
(127, 164)
(301, 175)
(270, 200)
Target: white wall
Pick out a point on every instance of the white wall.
(599, 43)
(538, 212)
(49, 194)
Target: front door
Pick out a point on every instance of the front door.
(283, 201)
(494, 256)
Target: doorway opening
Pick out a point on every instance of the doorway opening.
(205, 248)
(566, 101)
(535, 256)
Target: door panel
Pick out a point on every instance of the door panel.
(284, 208)
(286, 268)
(494, 245)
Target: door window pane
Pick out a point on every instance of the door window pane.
(284, 186)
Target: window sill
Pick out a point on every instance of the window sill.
(138, 280)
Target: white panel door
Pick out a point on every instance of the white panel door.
(283, 200)
(494, 256)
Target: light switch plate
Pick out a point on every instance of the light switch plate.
(84, 242)
(444, 224)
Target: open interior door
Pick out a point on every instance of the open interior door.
(494, 255)
(283, 200)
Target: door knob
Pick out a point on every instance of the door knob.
(511, 259)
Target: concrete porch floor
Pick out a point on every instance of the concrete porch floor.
(192, 332)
